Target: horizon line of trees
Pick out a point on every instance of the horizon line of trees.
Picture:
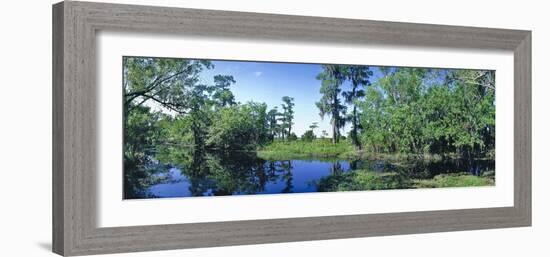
(164, 100)
(407, 110)
(411, 110)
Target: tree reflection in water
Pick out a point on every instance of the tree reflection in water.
(200, 172)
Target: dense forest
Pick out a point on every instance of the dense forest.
(417, 112)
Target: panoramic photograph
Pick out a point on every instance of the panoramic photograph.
(196, 127)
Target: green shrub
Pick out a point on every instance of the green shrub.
(308, 136)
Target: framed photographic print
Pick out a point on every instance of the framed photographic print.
(182, 128)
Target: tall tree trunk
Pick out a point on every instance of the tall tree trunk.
(335, 119)
(289, 128)
(354, 138)
(334, 131)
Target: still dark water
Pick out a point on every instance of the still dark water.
(294, 176)
(241, 173)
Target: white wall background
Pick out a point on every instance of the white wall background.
(25, 128)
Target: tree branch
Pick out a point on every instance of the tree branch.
(153, 85)
(168, 105)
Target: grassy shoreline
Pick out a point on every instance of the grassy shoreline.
(367, 179)
(324, 148)
(362, 180)
(320, 148)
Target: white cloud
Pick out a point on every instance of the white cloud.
(258, 73)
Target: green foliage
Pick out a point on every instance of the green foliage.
(287, 116)
(359, 76)
(308, 136)
(408, 111)
(330, 104)
(427, 111)
(167, 82)
(239, 127)
(176, 130)
(292, 137)
(222, 95)
(313, 126)
(141, 133)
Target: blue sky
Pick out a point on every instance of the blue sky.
(268, 82)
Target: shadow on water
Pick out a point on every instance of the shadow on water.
(426, 169)
(212, 173)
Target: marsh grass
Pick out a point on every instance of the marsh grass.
(319, 148)
(362, 180)
(324, 148)
(454, 180)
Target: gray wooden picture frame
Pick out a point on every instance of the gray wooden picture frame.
(75, 25)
